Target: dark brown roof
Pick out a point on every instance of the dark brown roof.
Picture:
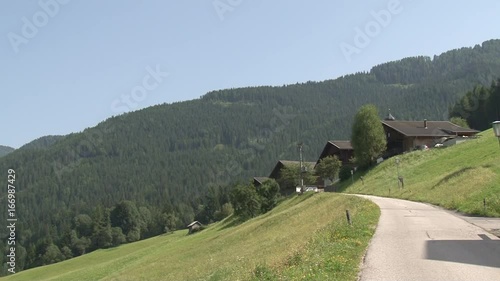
(341, 144)
(434, 128)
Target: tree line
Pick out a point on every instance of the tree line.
(479, 107)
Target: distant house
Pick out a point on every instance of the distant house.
(341, 148)
(276, 173)
(194, 227)
(405, 136)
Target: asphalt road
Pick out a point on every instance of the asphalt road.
(416, 241)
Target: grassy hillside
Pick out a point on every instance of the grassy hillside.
(457, 177)
(305, 237)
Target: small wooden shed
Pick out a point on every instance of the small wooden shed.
(194, 227)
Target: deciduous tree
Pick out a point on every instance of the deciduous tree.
(245, 201)
(368, 136)
(328, 167)
(125, 216)
(269, 193)
(290, 176)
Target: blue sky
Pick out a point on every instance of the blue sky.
(69, 64)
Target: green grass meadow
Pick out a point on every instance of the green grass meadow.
(304, 238)
(458, 178)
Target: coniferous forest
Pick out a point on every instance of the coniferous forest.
(4, 150)
(155, 170)
(480, 106)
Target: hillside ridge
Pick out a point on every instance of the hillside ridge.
(4, 150)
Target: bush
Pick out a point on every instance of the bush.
(226, 211)
(52, 255)
(245, 201)
(118, 236)
(345, 173)
(269, 193)
(66, 251)
(134, 235)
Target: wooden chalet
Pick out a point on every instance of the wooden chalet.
(276, 173)
(405, 136)
(342, 149)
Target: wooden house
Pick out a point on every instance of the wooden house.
(341, 148)
(405, 136)
(276, 173)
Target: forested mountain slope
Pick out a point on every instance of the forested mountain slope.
(42, 142)
(164, 158)
(4, 150)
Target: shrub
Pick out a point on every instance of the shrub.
(345, 173)
(118, 236)
(245, 201)
(226, 211)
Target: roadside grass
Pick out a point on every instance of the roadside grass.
(333, 253)
(304, 238)
(456, 178)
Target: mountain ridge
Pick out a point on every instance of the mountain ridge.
(4, 150)
(42, 142)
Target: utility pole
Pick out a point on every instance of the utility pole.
(301, 168)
